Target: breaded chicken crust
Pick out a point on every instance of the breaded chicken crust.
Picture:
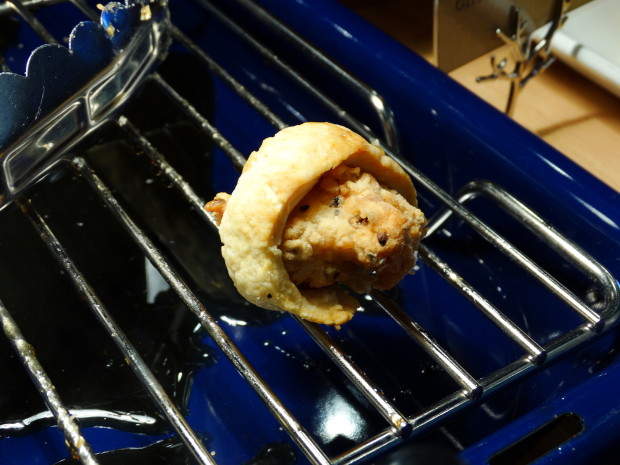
(350, 230)
(260, 237)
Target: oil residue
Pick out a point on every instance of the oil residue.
(173, 452)
(166, 452)
(89, 372)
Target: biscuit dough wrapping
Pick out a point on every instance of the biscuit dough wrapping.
(274, 180)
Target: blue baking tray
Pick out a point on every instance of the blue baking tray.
(452, 137)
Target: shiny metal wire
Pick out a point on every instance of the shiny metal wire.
(20, 8)
(135, 362)
(467, 387)
(399, 424)
(564, 246)
(373, 98)
(76, 442)
(279, 410)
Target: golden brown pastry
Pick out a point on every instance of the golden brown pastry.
(317, 207)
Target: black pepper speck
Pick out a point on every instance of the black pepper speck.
(382, 237)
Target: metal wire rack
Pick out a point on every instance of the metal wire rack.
(468, 390)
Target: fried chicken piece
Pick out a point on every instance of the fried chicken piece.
(350, 230)
(317, 206)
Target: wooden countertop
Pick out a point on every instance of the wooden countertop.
(570, 112)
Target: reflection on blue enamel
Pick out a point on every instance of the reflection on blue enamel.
(377, 102)
(343, 31)
(338, 419)
(155, 283)
(556, 168)
(233, 321)
(599, 214)
(81, 414)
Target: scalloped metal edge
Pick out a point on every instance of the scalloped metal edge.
(112, 59)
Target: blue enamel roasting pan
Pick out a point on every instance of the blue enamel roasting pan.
(500, 349)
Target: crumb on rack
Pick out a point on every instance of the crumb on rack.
(217, 206)
(145, 13)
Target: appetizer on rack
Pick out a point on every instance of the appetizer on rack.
(318, 209)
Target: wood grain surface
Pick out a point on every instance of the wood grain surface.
(570, 112)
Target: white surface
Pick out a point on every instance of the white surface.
(590, 42)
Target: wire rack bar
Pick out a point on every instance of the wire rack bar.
(366, 386)
(132, 357)
(278, 409)
(210, 131)
(433, 416)
(471, 387)
(558, 242)
(534, 349)
(499, 380)
(6, 8)
(296, 77)
(166, 168)
(22, 10)
(382, 109)
(565, 247)
(76, 443)
(83, 6)
(506, 247)
(227, 78)
(371, 391)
